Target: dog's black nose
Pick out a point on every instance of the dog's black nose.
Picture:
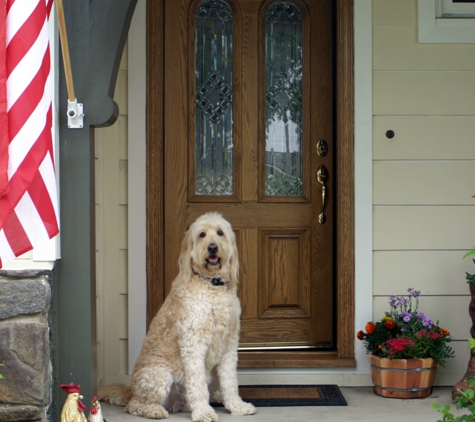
(213, 248)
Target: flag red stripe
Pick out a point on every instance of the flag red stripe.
(27, 67)
(29, 99)
(49, 5)
(40, 197)
(16, 235)
(26, 172)
(4, 141)
(26, 36)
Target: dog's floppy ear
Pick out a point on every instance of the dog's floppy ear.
(185, 255)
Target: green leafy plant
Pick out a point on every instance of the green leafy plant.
(470, 277)
(465, 399)
(406, 333)
(1, 374)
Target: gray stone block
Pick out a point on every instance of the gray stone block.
(24, 352)
(20, 413)
(23, 296)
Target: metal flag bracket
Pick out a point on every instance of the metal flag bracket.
(75, 111)
(75, 115)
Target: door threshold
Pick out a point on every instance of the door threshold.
(276, 346)
(293, 359)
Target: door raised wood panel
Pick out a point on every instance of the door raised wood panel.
(274, 332)
(285, 280)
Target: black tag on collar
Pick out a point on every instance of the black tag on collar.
(216, 282)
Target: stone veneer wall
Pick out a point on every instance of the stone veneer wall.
(25, 390)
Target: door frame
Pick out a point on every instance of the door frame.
(343, 355)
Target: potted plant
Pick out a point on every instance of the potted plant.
(404, 349)
(463, 384)
(465, 398)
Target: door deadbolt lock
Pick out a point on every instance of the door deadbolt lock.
(322, 148)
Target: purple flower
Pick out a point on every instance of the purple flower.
(406, 316)
(393, 301)
(427, 322)
(416, 293)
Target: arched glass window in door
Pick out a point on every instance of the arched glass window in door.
(214, 99)
(283, 72)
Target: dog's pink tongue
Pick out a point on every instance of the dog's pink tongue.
(213, 260)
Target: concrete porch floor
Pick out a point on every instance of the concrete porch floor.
(363, 405)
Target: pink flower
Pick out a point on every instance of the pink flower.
(398, 345)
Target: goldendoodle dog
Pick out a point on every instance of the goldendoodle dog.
(195, 331)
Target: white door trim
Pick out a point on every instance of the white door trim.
(363, 200)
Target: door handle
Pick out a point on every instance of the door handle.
(322, 177)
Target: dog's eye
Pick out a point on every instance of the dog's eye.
(220, 232)
(202, 234)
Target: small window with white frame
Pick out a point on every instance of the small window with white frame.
(446, 21)
(456, 8)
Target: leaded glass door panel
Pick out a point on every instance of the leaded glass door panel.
(247, 96)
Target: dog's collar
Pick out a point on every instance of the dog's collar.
(215, 281)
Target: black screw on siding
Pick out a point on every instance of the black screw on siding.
(390, 134)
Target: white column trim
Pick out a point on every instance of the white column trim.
(363, 174)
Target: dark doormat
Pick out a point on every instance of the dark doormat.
(291, 395)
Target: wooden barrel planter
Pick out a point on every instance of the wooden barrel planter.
(403, 378)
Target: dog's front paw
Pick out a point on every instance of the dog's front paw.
(240, 408)
(150, 411)
(206, 414)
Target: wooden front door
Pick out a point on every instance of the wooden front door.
(220, 119)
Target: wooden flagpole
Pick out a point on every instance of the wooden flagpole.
(63, 35)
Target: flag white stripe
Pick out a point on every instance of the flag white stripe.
(25, 79)
(30, 220)
(21, 77)
(6, 253)
(46, 170)
(19, 12)
(30, 131)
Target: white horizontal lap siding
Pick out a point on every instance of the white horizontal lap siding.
(112, 242)
(427, 93)
(424, 177)
(424, 138)
(396, 49)
(434, 272)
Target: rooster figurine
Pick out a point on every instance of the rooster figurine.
(95, 415)
(73, 409)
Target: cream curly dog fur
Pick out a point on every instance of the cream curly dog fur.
(195, 331)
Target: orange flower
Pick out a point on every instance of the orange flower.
(380, 346)
(370, 327)
(444, 332)
(390, 324)
(360, 335)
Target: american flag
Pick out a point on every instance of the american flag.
(28, 197)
